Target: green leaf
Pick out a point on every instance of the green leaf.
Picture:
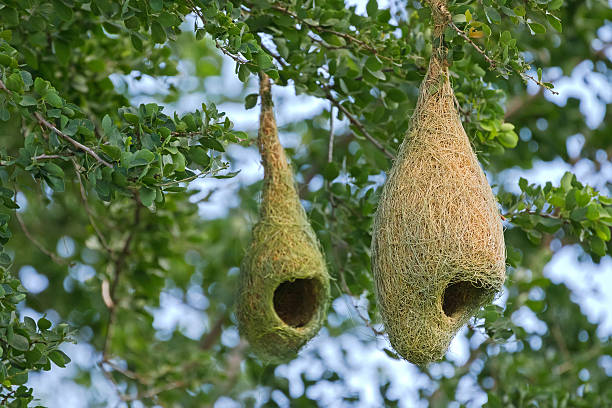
(554, 22)
(391, 354)
(141, 158)
(555, 5)
(376, 74)
(111, 151)
(508, 139)
(63, 11)
(59, 358)
(520, 11)
(19, 342)
(537, 28)
(53, 169)
(605, 200)
(198, 155)
(53, 99)
(157, 5)
(44, 324)
(602, 231)
(251, 100)
(212, 144)
(566, 181)
(227, 175)
(29, 323)
(179, 162)
(147, 195)
(579, 214)
(27, 100)
(598, 246)
(158, 34)
(372, 8)
(131, 118)
(492, 15)
(243, 73)
(373, 64)
(331, 171)
(15, 83)
(592, 212)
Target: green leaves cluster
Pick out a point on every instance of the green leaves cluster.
(572, 211)
(134, 154)
(492, 25)
(25, 345)
(87, 164)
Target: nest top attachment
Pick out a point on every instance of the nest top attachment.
(284, 283)
(438, 250)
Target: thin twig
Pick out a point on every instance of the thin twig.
(37, 244)
(7, 396)
(340, 266)
(239, 59)
(232, 370)
(320, 29)
(348, 291)
(124, 371)
(358, 124)
(50, 156)
(277, 57)
(119, 263)
(4, 88)
(330, 146)
(76, 144)
(190, 178)
(154, 391)
(492, 63)
(511, 216)
(89, 211)
(214, 333)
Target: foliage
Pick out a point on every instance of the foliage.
(80, 163)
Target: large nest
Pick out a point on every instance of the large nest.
(438, 251)
(284, 283)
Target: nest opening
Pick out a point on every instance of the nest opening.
(459, 297)
(296, 302)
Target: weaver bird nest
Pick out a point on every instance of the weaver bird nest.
(284, 283)
(438, 251)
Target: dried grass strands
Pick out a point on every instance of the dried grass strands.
(284, 283)
(438, 250)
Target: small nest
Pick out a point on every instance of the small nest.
(438, 251)
(284, 283)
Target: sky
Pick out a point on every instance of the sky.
(55, 389)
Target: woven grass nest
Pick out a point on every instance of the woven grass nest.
(284, 283)
(438, 251)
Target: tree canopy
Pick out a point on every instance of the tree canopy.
(101, 194)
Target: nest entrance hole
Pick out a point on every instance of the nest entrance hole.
(461, 296)
(296, 302)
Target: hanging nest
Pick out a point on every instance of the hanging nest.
(438, 251)
(284, 283)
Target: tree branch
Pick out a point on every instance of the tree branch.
(320, 29)
(214, 333)
(76, 144)
(119, 263)
(224, 50)
(37, 244)
(89, 211)
(358, 124)
(330, 146)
